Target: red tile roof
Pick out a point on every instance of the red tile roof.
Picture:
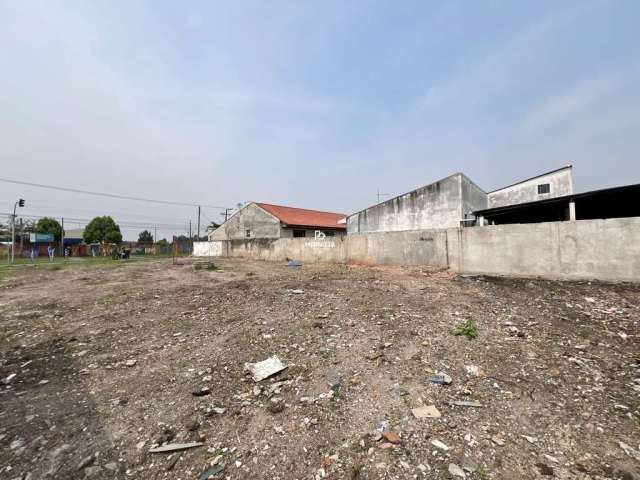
(305, 218)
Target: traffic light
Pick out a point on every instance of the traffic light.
(21, 202)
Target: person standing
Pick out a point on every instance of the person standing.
(51, 251)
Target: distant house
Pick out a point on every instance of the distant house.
(264, 220)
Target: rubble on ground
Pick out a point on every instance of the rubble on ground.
(140, 371)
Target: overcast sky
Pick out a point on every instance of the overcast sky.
(309, 104)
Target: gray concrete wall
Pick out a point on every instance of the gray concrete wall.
(560, 182)
(306, 250)
(437, 205)
(261, 224)
(428, 247)
(585, 249)
(473, 197)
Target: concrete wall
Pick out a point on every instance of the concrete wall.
(207, 249)
(428, 247)
(261, 224)
(306, 250)
(438, 205)
(560, 182)
(473, 197)
(584, 249)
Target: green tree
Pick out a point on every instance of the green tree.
(49, 225)
(102, 230)
(163, 242)
(145, 237)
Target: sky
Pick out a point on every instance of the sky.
(310, 104)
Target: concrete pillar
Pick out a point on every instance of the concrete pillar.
(572, 211)
(481, 221)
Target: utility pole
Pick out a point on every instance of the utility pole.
(198, 222)
(190, 237)
(62, 241)
(226, 213)
(155, 234)
(20, 202)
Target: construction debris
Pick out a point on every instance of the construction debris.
(517, 407)
(266, 368)
(174, 447)
(464, 403)
(429, 411)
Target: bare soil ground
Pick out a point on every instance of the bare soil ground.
(106, 360)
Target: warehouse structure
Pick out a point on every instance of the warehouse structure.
(453, 202)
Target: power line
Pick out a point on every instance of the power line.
(110, 195)
(96, 211)
(122, 223)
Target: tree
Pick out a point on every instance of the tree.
(49, 225)
(145, 237)
(102, 230)
(163, 242)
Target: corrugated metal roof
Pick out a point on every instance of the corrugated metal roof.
(304, 218)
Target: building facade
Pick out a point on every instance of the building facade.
(452, 201)
(264, 220)
(443, 204)
(556, 183)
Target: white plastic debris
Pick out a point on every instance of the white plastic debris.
(266, 368)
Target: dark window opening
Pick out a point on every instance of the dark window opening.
(328, 233)
(299, 233)
(544, 188)
(248, 233)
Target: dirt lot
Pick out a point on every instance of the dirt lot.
(107, 359)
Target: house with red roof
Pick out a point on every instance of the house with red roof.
(264, 220)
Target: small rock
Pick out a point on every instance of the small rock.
(544, 469)
(201, 392)
(276, 407)
(498, 439)
(456, 471)
(428, 411)
(440, 445)
(131, 363)
(111, 466)
(92, 472)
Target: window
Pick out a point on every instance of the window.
(328, 233)
(247, 233)
(544, 188)
(298, 233)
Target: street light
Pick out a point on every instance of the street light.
(19, 203)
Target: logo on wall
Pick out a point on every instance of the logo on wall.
(320, 241)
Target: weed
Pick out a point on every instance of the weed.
(469, 329)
